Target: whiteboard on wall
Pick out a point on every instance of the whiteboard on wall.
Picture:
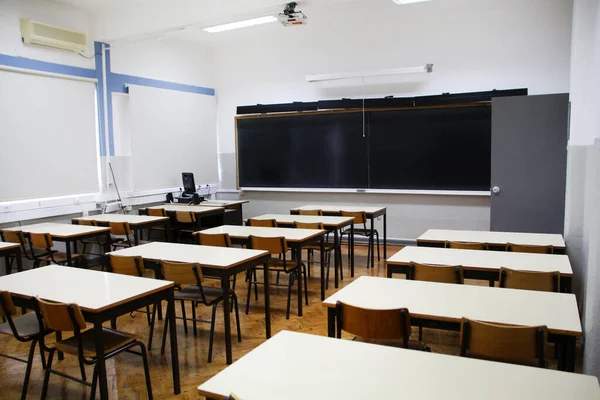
(48, 138)
(171, 132)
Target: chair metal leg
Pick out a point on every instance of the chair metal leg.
(305, 285)
(328, 267)
(194, 320)
(420, 333)
(289, 299)
(164, 337)
(377, 237)
(212, 332)
(150, 336)
(47, 375)
(146, 370)
(256, 284)
(237, 317)
(184, 317)
(311, 253)
(148, 315)
(249, 292)
(82, 369)
(42, 355)
(94, 382)
(28, 369)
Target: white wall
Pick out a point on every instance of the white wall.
(474, 45)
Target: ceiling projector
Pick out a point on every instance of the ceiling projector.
(291, 17)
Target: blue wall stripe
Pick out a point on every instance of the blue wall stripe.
(44, 66)
(118, 81)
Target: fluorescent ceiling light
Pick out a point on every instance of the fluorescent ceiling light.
(400, 2)
(428, 68)
(241, 24)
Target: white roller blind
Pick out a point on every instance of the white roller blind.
(171, 132)
(47, 137)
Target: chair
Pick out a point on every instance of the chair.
(157, 212)
(62, 317)
(98, 240)
(121, 234)
(190, 274)
(523, 248)
(133, 266)
(278, 245)
(318, 213)
(328, 248)
(507, 343)
(384, 327)
(435, 273)
(267, 223)
(360, 218)
(466, 245)
(25, 329)
(216, 240)
(530, 280)
(44, 242)
(15, 237)
(185, 222)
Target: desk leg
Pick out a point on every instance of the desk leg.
(68, 246)
(351, 250)
(226, 319)
(385, 235)
(101, 362)
(323, 267)
(338, 256)
(173, 338)
(299, 276)
(267, 301)
(373, 242)
(568, 356)
(136, 236)
(331, 322)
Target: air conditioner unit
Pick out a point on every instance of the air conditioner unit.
(47, 35)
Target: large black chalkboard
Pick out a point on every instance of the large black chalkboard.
(427, 149)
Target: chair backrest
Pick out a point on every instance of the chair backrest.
(523, 248)
(373, 324)
(311, 212)
(87, 222)
(308, 225)
(466, 245)
(360, 217)
(436, 273)
(127, 265)
(518, 344)
(185, 217)
(120, 228)
(7, 306)
(156, 212)
(267, 223)
(13, 237)
(530, 280)
(41, 240)
(182, 273)
(215, 240)
(274, 245)
(61, 317)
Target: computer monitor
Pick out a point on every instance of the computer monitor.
(189, 186)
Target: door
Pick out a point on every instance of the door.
(529, 163)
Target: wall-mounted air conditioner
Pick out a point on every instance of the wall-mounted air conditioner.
(50, 36)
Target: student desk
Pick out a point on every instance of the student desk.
(331, 224)
(201, 212)
(296, 240)
(442, 306)
(64, 233)
(8, 250)
(136, 222)
(438, 237)
(482, 264)
(221, 262)
(371, 212)
(343, 369)
(102, 296)
(233, 210)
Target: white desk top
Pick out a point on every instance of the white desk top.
(290, 219)
(536, 239)
(344, 369)
(8, 245)
(340, 207)
(218, 257)
(242, 232)
(484, 260)
(59, 230)
(222, 203)
(94, 291)
(446, 302)
(183, 207)
(131, 219)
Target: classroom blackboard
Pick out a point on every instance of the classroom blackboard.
(422, 149)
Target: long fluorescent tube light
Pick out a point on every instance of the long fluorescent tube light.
(382, 72)
(400, 2)
(241, 24)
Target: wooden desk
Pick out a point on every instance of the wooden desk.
(371, 212)
(481, 264)
(331, 224)
(219, 262)
(136, 222)
(8, 250)
(344, 369)
(201, 213)
(438, 237)
(101, 296)
(442, 306)
(64, 233)
(296, 239)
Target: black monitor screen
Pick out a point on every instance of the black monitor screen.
(189, 186)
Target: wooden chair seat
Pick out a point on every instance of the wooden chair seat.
(192, 293)
(412, 344)
(27, 326)
(113, 340)
(527, 363)
(276, 264)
